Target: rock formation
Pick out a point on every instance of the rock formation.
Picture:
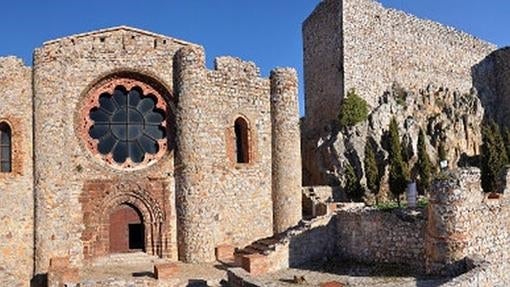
(451, 118)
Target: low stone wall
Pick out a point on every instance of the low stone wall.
(373, 236)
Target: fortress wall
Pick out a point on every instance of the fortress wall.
(465, 222)
(221, 201)
(377, 46)
(374, 236)
(67, 173)
(382, 46)
(16, 188)
(244, 189)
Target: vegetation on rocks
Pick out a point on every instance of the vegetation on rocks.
(353, 111)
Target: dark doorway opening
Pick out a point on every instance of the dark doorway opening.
(136, 236)
(127, 231)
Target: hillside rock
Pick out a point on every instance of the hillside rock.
(449, 117)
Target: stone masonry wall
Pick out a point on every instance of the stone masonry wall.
(286, 152)
(217, 197)
(374, 236)
(377, 47)
(465, 222)
(64, 71)
(16, 187)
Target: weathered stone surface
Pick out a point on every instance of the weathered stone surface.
(16, 187)
(447, 117)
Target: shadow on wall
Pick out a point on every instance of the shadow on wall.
(491, 78)
(313, 244)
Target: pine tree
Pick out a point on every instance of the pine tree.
(371, 170)
(494, 157)
(425, 168)
(399, 171)
(352, 185)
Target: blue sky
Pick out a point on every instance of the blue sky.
(267, 32)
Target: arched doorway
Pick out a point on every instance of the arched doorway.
(126, 229)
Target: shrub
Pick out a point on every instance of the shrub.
(353, 111)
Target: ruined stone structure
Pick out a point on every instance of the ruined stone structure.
(121, 139)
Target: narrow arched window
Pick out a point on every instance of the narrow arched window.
(242, 144)
(5, 148)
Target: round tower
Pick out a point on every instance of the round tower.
(195, 226)
(286, 149)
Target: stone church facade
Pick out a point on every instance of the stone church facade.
(121, 139)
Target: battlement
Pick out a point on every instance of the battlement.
(236, 66)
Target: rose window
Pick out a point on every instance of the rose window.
(127, 125)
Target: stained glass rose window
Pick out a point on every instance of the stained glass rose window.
(127, 124)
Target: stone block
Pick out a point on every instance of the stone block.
(165, 270)
(224, 252)
(255, 264)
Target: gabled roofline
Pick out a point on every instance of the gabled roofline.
(118, 28)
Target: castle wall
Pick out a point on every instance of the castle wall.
(466, 222)
(490, 77)
(16, 187)
(217, 196)
(374, 236)
(70, 179)
(377, 47)
(323, 55)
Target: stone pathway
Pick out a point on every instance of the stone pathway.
(134, 270)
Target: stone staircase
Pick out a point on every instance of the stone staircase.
(274, 253)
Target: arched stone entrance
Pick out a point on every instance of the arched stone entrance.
(126, 230)
(124, 217)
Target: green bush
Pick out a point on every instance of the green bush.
(353, 111)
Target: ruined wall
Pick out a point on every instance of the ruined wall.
(64, 71)
(16, 187)
(465, 222)
(213, 189)
(374, 236)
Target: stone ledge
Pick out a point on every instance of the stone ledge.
(165, 270)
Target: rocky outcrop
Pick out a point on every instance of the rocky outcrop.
(447, 117)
